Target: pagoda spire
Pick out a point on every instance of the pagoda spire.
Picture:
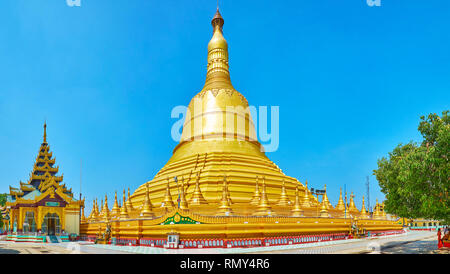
(217, 75)
(183, 204)
(93, 216)
(325, 198)
(256, 195)
(306, 202)
(383, 212)
(115, 211)
(284, 199)
(340, 205)
(106, 209)
(167, 201)
(224, 206)
(146, 211)
(264, 208)
(101, 208)
(352, 207)
(363, 209)
(129, 204)
(83, 218)
(297, 211)
(324, 210)
(197, 197)
(124, 210)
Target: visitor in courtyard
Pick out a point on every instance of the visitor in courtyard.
(439, 238)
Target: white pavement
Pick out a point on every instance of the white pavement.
(331, 247)
(410, 242)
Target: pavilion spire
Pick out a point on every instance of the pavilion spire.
(45, 132)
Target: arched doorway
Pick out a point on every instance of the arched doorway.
(29, 225)
(51, 224)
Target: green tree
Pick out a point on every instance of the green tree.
(415, 177)
(2, 203)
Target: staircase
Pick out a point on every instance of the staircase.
(53, 239)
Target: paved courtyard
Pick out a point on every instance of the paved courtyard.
(416, 242)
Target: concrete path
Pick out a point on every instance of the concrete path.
(409, 243)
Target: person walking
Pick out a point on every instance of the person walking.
(439, 238)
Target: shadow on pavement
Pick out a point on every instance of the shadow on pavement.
(416, 247)
(8, 251)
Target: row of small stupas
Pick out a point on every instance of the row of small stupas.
(259, 205)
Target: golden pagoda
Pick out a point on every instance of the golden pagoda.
(228, 187)
(211, 145)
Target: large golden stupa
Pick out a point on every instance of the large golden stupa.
(218, 141)
(220, 182)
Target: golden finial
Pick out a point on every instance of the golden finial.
(93, 215)
(352, 207)
(101, 209)
(324, 210)
(224, 206)
(383, 212)
(45, 132)
(124, 210)
(363, 209)
(197, 197)
(284, 199)
(325, 199)
(106, 209)
(183, 204)
(264, 208)
(115, 211)
(83, 218)
(167, 202)
(340, 205)
(146, 211)
(130, 207)
(306, 203)
(297, 211)
(257, 195)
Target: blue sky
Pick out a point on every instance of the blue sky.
(351, 82)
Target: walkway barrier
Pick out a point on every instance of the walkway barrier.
(241, 242)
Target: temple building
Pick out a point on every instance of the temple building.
(43, 205)
(220, 187)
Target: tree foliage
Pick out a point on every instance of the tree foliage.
(415, 177)
(2, 203)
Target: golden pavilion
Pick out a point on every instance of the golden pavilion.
(43, 205)
(220, 187)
